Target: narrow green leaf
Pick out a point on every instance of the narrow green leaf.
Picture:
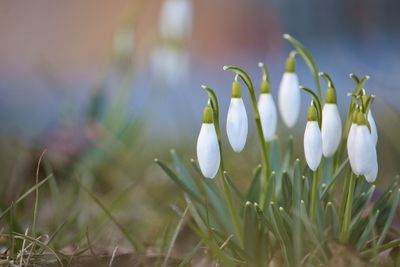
(362, 242)
(253, 193)
(178, 181)
(389, 220)
(308, 59)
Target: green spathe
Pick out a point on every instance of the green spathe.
(208, 115)
(236, 89)
(330, 95)
(312, 113)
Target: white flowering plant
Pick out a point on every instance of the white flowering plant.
(292, 213)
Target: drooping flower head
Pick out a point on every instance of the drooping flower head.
(289, 93)
(312, 140)
(331, 127)
(267, 109)
(237, 123)
(208, 153)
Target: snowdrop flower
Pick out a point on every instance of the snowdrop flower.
(362, 151)
(208, 153)
(176, 19)
(289, 94)
(374, 132)
(312, 140)
(236, 124)
(267, 110)
(331, 127)
(364, 148)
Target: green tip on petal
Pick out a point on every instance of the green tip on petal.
(236, 89)
(330, 95)
(208, 115)
(290, 65)
(360, 119)
(264, 87)
(312, 113)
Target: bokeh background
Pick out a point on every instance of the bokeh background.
(106, 86)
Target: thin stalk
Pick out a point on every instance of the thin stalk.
(345, 233)
(264, 151)
(314, 195)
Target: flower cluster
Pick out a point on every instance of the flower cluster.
(323, 132)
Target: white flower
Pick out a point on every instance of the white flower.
(236, 124)
(312, 140)
(268, 116)
(176, 19)
(361, 149)
(364, 151)
(331, 129)
(289, 98)
(350, 146)
(313, 145)
(208, 153)
(374, 132)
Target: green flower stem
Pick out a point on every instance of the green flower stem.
(264, 151)
(314, 195)
(345, 233)
(223, 181)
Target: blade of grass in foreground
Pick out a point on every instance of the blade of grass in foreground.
(32, 189)
(135, 243)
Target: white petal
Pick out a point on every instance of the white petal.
(268, 116)
(363, 150)
(373, 172)
(312, 145)
(374, 131)
(236, 124)
(289, 98)
(208, 150)
(331, 129)
(350, 147)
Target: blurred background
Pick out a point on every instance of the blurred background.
(106, 86)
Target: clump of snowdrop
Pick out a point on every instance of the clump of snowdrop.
(266, 107)
(289, 93)
(208, 154)
(236, 123)
(331, 128)
(312, 140)
(297, 210)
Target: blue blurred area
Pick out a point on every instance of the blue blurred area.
(44, 85)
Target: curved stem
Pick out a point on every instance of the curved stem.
(327, 79)
(264, 70)
(264, 151)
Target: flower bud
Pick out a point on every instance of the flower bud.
(312, 140)
(267, 110)
(331, 127)
(208, 153)
(289, 94)
(237, 124)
